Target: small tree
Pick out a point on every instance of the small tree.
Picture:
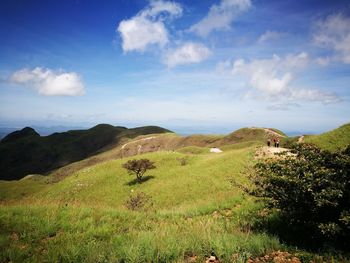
(138, 167)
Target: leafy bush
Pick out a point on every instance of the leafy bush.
(310, 189)
(138, 167)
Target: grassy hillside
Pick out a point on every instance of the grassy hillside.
(252, 134)
(78, 213)
(25, 152)
(332, 140)
(194, 210)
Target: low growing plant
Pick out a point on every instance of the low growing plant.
(183, 161)
(137, 201)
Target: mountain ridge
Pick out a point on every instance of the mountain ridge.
(24, 152)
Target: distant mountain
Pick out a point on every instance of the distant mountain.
(25, 132)
(42, 130)
(26, 152)
(5, 130)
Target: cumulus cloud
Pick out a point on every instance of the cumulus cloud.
(334, 33)
(188, 53)
(220, 16)
(139, 32)
(148, 26)
(48, 82)
(270, 36)
(273, 78)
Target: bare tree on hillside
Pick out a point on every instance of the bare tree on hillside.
(138, 167)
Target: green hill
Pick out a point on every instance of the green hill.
(192, 209)
(333, 140)
(253, 134)
(26, 152)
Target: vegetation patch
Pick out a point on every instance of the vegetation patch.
(333, 140)
(311, 191)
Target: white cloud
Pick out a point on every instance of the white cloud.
(157, 7)
(273, 78)
(334, 33)
(282, 106)
(323, 61)
(148, 26)
(314, 95)
(220, 16)
(50, 83)
(188, 53)
(270, 35)
(139, 32)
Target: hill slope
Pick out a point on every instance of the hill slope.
(26, 152)
(336, 139)
(193, 144)
(194, 210)
(191, 210)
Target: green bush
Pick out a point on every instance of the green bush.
(310, 189)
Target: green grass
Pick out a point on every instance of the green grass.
(195, 209)
(332, 140)
(194, 150)
(94, 235)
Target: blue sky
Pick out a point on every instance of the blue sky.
(196, 66)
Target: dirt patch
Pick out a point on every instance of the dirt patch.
(14, 237)
(275, 257)
(270, 152)
(273, 133)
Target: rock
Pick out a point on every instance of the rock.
(215, 150)
(212, 259)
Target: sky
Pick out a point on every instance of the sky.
(194, 66)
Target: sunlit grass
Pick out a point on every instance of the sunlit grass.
(195, 210)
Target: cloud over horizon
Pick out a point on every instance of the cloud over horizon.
(48, 82)
(273, 78)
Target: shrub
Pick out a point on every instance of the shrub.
(310, 189)
(183, 161)
(138, 167)
(137, 201)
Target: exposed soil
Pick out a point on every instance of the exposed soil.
(268, 152)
